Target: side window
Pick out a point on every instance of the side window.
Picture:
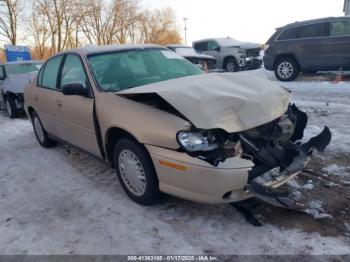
(73, 71)
(340, 28)
(212, 45)
(313, 30)
(49, 78)
(201, 47)
(288, 34)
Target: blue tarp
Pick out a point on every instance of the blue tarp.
(17, 53)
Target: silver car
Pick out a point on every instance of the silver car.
(231, 55)
(14, 76)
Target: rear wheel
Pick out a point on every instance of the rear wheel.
(11, 107)
(136, 172)
(286, 69)
(40, 133)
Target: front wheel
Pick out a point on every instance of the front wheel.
(286, 69)
(136, 172)
(11, 107)
(40, 133)
(231, 65)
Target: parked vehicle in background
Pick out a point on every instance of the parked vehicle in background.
(205, 62)
(167, 127)
(309, 46)
(14, 76)
(231, 55)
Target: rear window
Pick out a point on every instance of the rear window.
(339, 28)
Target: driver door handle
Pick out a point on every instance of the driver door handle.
(59, 103)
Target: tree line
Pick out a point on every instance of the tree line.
(51, 26)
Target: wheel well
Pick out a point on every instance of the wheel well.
(228, 57)
(5, 95)
(113, 135)
(290, 56)
(30, 111)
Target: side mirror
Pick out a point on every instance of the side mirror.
(76, 88)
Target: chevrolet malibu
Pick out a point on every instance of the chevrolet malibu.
(168, 128)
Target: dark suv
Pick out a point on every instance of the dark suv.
(308, 47)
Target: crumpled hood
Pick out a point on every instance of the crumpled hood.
(233, 102)
(17, 83)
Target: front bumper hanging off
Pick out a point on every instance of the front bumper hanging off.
(265, 187)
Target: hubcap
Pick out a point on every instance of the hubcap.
(230, 67)
(8, 108)
(38, 129)
(285, 70)
(132, 172)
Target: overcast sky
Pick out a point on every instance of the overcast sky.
(249, 20)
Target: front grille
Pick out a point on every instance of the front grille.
(254, 52)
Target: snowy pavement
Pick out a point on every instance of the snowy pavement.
(62, 201)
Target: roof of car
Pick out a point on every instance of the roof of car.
(324, 19)
(94, 49)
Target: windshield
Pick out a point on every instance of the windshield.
(16, 69)
(122, 70)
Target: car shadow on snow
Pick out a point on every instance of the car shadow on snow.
(327, 218)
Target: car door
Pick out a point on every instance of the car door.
(310, 46)
(44, 93)
(74, 113)
(214, 50)
(338, 44)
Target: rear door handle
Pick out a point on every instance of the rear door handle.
(36, 97)
(59, 103)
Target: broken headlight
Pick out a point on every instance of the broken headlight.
(196, 141)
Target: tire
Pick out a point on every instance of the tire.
(145, 190)
(231, 65)
(11, 107)
(40, 133)
(286, 69)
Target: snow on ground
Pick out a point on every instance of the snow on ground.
(59, 201)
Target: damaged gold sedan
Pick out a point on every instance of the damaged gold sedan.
(167, 127)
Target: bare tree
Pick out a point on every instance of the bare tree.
(159, 27)
(56, 25)
(9, 15)
(40, 31)
(109, 23)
